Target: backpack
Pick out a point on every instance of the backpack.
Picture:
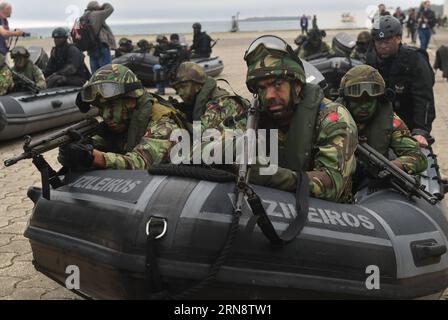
(83, 35)
(423, 53)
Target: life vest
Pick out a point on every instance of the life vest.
(378, 131)
(149, 108)
(297, 153)
(209, 93)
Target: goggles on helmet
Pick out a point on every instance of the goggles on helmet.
(18, 52)
(107, 90)
(357, 90)
(271, 43)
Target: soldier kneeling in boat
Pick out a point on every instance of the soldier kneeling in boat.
(24, 66)
(66, 66)
(315, 135)
(363, 91)
(136, 129)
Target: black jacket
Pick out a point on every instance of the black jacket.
(442, 60)
(430, 17)
(202, 45)
(411, 78)
(68, 61)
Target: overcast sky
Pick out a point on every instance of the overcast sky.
(44, 12)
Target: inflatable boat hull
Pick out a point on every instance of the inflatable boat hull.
(142, 65)
(25, 113)
(99, 224)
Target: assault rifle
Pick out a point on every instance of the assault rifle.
(24, 81)
(379, 166)
(35, 150)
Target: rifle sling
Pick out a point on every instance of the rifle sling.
(296, 226)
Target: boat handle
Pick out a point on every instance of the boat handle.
(157, 222)
(429, 250)
(56, 104)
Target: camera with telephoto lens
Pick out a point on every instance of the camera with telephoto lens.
(169, 60)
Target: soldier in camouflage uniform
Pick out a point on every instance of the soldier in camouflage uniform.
(316, 135)
(136, 129)
(24, 66)
(143, 46)
(6, 80)
(203, 100)
(363, 89)
(362, 45)
(125, 47)
(314, 44)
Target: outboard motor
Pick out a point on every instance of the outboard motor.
(343, 44)
(38, 56)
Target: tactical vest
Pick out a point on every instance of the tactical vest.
(379, 129)
(297, 154)
(149, 108)
(28, 71)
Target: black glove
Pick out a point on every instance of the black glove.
(76, 156)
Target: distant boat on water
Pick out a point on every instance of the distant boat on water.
(347, 18)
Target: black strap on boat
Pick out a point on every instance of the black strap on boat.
(155, 228)
(296, 226)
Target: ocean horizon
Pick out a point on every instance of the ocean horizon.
(326, 20)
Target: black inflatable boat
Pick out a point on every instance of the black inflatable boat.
(99, 223)
(25, 113)
(142, 65)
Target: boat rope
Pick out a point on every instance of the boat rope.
(255, 202)
(199, 173)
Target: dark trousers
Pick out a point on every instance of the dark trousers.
(99, 58)
(55, 81)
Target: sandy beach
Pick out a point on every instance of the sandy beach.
(18, 278)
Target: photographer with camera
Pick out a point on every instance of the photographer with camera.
(5, 33)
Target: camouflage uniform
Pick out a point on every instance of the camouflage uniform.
(32, 72)
(6, 80)
(208, 103)
(143, 46)
(391, 133)
(149, 125)
(327, 150)
(314, 45)
(362, 45)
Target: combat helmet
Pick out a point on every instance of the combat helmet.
(59, 33)
(386, 27)
(20, 51)
(364, 37)
(110, 82)
(143, 44)
(197, 26)
(362, 79)
(161, 38)
(270, 56)
(190, 71)
(123, 42)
